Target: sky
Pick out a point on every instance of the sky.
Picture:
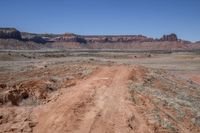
(151, 18)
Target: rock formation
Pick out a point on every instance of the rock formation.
(36, 39)
(67, 37)
(10, 33)
(117, 38)
(9, 39)
(170, 37)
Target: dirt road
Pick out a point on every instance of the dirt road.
(110, 99)
(97, 104)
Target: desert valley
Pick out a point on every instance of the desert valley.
(98, 84)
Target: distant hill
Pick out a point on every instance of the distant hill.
(11, 38)
(10, 33)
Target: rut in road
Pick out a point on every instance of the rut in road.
(99, 104)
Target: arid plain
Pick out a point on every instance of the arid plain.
(84, 91)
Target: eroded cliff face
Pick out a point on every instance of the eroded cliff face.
(118, 38)
(9, 39)
(10, 33)
(170, 37)
(69, 37)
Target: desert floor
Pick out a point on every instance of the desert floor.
(99, 92)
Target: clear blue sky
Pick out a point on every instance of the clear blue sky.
(148, 17)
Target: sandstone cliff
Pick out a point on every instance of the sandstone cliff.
(10, 33)
(170, 37)
(11, 38)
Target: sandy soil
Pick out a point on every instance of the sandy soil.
(100, 95)
(98, 104)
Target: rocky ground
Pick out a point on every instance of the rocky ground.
(117, 92)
